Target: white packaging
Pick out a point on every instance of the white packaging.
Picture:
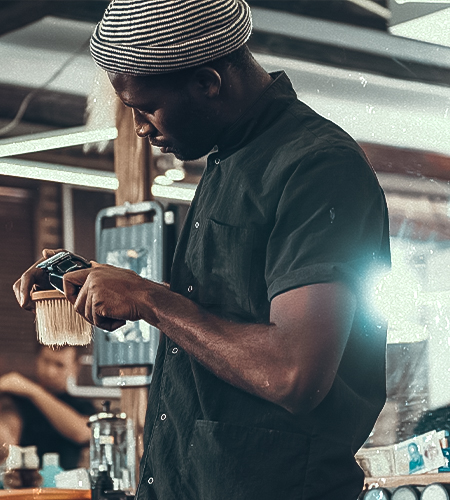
(77, 479)
(377, 462)
(30, 457)
(14, 460)
(419, 454)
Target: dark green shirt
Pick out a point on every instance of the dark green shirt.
(287, 200)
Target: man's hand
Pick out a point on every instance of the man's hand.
(108, 296)
(15, 383)
(33, 276)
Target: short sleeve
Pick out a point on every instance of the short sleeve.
(331, 224)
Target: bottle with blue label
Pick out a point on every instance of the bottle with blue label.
(50, 468)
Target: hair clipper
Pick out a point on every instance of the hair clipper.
(60, 264)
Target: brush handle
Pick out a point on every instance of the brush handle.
(47, 294)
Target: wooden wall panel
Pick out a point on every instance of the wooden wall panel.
(132, 159)
(17, 249)
(86, 205)
(133, 166)
(48, 217)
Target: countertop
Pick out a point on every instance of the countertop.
(46, 494)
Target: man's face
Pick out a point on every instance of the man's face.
(54, 367)
(168, 115)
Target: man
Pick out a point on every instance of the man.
(48, 417)
(270, 370)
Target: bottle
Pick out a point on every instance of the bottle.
(22, 468)
(4, 450)
(377, 494)
(103, 483)
(406, 492)
(436, 491)
(50, 467)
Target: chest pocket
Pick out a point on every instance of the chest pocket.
(220, 258)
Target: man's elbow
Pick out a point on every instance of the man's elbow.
(301, 405)
(301, 397)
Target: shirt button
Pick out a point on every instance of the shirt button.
(217, 161)
(190, 288)
(163, 416)
(150, 480)
(174, 350)
(197, 225)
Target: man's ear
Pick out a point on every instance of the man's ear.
(207, 82)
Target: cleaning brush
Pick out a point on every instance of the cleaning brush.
(57, 322)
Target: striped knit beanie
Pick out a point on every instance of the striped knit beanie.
(144, 37)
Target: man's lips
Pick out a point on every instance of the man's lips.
(158, 144)
(165, 148)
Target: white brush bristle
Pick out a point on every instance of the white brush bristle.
(57, 323)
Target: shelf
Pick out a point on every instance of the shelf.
(413, 479)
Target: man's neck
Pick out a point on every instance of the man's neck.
(245, 90)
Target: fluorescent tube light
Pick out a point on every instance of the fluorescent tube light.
(162, 180)
(422, 1)
(74, 176)
(432, 28)
(373, 7)
(175, 174)
(54, 139)
(179, 192)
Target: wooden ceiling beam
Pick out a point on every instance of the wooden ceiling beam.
(47, 107)
(341, 11)
(409, 162)
(17, 14)
(79, 10)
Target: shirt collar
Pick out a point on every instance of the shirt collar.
(272, 101)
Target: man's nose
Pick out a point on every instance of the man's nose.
(142, 126)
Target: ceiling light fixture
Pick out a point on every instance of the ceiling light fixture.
(54, 139)
(373, 7)
(74, 176)
(177, 193)
(422, 1)
(175, 174)
(162, 180)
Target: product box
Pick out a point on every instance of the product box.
(417, 455)
(377, 462)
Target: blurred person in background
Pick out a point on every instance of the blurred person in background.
(10, 424)
(41, 412)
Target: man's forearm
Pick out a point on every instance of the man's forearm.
(272, 361)
(242, 354)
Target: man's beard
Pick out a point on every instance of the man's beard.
(187, 154)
